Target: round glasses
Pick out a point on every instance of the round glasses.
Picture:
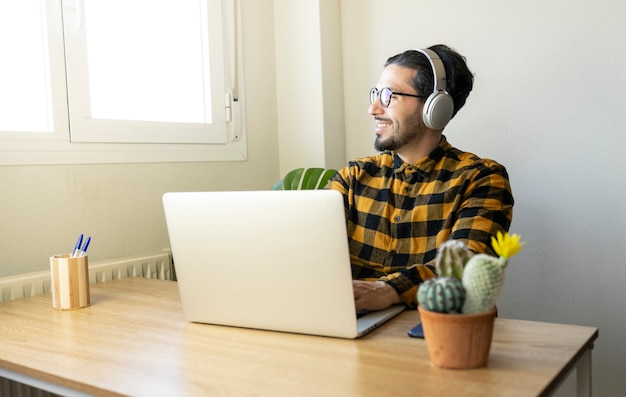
(385, 95)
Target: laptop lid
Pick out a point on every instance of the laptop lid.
(273, 260)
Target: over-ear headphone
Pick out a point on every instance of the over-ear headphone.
(439, 105)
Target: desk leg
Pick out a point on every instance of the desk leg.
(583, 375)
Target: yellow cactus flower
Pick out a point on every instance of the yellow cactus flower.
(506, 245)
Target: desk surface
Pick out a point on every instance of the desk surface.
(133, 340)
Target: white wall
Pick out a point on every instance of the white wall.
(548, 102)
(44, 208)
(310, 84)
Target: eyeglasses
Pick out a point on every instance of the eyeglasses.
(385, 95)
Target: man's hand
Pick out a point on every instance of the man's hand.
(376, 295)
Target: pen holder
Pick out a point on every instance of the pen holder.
(69, 282)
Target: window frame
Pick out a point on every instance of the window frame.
(59, 147)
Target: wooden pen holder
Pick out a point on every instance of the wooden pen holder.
(69, 282)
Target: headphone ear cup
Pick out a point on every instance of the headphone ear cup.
(438, 110)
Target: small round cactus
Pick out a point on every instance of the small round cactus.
(442, 294)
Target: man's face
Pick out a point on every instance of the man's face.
(401, 122)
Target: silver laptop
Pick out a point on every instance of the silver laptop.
(272, 260)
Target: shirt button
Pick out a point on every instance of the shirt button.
(407, 189)
(397, 219)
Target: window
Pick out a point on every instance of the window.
(29, 87)
(119, 81)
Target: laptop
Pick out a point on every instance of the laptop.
(271, 260)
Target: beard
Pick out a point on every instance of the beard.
(403, 133)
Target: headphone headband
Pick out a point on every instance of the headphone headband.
(439, 71)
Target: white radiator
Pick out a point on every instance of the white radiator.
(158, 266)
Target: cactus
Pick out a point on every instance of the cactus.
(483, 281)
(451, 258)
(483, 277)
(441, 294)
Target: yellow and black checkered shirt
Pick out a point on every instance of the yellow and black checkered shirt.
(398, 214)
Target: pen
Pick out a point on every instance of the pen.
(77, 247)
(84, 249)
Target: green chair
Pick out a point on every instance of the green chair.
(305, 179)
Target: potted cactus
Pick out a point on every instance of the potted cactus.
(457, 308)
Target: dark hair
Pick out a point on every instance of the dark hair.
(459, 79)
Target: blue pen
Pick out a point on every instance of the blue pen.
(84, 249)
(77, 247)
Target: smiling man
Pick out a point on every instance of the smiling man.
(419, 191)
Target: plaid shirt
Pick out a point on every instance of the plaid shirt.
(398, 214)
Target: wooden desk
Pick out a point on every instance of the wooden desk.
(133, 340)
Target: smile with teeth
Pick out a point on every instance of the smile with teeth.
(382, 124)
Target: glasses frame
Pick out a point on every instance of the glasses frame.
(376, 93)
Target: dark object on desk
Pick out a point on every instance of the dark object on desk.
(417, 331)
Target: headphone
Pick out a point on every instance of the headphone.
(439, 105)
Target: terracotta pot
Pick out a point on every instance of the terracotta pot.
(458, 341)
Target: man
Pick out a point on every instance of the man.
(419, 191)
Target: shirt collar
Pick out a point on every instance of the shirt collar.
(425, 165)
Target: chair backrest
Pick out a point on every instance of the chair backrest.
(305, 179)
